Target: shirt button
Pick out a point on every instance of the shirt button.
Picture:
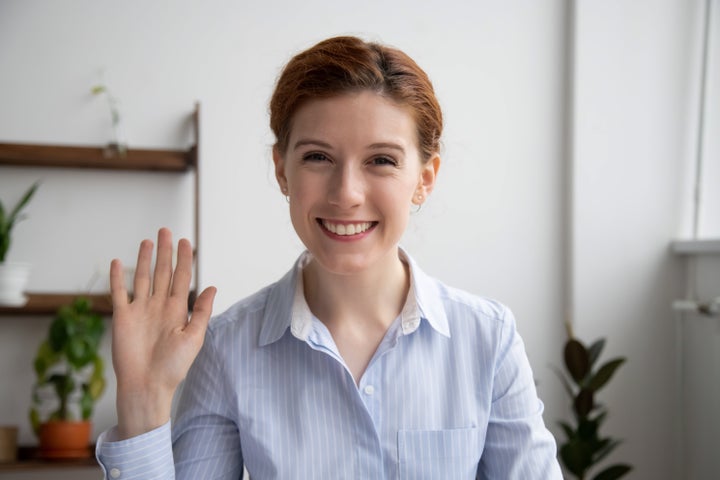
(115, 473)
(369, 390)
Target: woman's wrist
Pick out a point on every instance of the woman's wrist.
(141, 411)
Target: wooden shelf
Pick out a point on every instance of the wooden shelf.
(97, 158)
(48, 304)
(29, 460)
(101, 158)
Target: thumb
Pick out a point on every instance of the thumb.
(202, 310)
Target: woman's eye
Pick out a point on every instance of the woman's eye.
(384, 161)
(315, 157)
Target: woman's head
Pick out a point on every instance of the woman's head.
(342, 65)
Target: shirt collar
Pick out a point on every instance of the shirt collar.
(286, 306)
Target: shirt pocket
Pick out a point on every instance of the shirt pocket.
(438, 454)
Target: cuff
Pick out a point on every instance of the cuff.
(147, 456)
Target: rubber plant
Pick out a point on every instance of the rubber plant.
(584, 447)
(68, 366)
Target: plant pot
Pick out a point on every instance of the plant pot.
(8, 444)
(13, 280)
(65, 439)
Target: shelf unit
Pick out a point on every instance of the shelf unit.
(96, 158)
(102, 158)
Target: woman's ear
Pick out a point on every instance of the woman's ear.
(279, 162)
(428, 174)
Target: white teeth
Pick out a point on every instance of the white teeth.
(346, 229)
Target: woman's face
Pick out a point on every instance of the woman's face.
(352, 170)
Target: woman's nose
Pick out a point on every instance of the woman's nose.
(347, 187)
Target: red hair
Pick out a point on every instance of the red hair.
(348, 64)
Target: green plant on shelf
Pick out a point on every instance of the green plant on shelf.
(116, 146)
(69, 369)
(9, 218)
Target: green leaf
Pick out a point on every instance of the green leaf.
(34, 416)
(86, 404)
(576, 457)
(595, 349)
(44, 359)
(77, 352)
(8, 220)
(587, 430)
(614, 472)
(607, 447)
(98, 89)
(584, 402)
(58, 334)
(22, 203)
(576, 360)
(96, 388)
(604, 374)
(569, 432)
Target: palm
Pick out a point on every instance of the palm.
(153, 343)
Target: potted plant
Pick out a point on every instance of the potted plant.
(584, 447)
(116, 146)
(13, 275)
(70, 379)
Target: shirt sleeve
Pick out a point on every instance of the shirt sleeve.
(203, 443)
(148, 456)
(206, 440)
(517, 445)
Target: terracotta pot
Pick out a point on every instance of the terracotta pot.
(60, 439)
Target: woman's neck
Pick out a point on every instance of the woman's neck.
(371, 298)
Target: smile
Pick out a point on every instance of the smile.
(346, 229)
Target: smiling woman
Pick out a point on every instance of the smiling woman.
(355, 364)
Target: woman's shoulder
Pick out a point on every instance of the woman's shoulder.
(243, 312)
(463, 298)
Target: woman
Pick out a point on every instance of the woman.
(353, 365)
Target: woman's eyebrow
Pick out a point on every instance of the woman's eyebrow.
(391, 145)
(310, 141)
(319, 143)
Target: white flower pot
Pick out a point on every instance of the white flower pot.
(14, 277)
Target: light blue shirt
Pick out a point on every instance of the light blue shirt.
(449, 394)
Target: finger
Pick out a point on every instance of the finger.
(202, 310)
(183, 270)
(163, 266)
(118, 292)
(141, 282)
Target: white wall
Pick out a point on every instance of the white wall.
(635, 111)
(494, 224)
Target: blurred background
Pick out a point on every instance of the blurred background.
(574, 132)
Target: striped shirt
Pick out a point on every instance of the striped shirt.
(449, 394)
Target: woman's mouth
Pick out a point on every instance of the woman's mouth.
(346, 228)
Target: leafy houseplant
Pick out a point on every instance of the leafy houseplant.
(584, 447)
(13, 275)
(70, 372)
(8, 219)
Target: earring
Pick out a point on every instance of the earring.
(419, 203)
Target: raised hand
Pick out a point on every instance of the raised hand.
(153, 342)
